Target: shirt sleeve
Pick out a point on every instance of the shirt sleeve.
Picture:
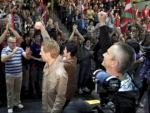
(3, 52)
(61, 94)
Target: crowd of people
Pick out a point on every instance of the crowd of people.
(56, 67)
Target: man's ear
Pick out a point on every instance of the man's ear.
(114, 63)
(69, 53)
(48, 54)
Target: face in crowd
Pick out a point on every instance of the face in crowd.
(11, 42)
(49, 50)
(119, 57)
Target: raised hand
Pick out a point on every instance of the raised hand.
(38, 25)
(14, 50)
(28, 52)
(74, 27)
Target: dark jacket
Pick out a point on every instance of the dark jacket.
(70, 67)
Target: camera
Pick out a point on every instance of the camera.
(106, 86)
(105, 83)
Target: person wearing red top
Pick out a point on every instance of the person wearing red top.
(135, 11)
(117, 20)
(13, 10)
(148, 25)
(145, 12)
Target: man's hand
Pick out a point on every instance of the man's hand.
(74, 27)
(14, 50)
(41, 27)
(102, 17)
(38, 25)
(28, 53)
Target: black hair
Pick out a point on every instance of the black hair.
(72, 48)
(86, 39)
(146, 41)
(134, 44)
(146, 45)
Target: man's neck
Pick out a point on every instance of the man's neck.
(51, 61)
(68, 57)
(115, 73)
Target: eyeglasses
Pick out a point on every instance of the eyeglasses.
(11, 42)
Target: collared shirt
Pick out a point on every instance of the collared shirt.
(127, 84)
(13, 66)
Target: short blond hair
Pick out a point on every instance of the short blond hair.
(52, 47)
(11, 38)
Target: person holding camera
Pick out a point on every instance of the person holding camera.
(118, 58)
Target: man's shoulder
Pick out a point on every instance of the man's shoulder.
(70, 62)
(60, 70)
(60, 67)
(6, 49)
(20, 49)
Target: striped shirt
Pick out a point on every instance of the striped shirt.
(13, 66)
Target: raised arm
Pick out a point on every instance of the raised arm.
(72, 34)
(16, 34)
(41, 27)
(38, 59)
(58, 28)
(80, 36)
(75, 31)
(3, 36)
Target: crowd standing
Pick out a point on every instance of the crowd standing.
(56, 67)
